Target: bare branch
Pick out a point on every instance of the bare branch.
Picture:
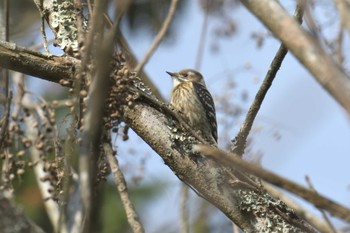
(305, 48)
(239, 143)
(159, 36)
(343, 7)
(324, 214)
(201, 43)
(53, 68)
(184, 225)
(233, 160)
(39, 5)
(131, 214)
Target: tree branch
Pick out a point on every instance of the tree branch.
(119, 179)
(93, 123)
(159, 36)
(52, 68)
(304, 47)
(233, 160)
(240, 141)
(324, 214)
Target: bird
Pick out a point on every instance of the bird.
(191, 98)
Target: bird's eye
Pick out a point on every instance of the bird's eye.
(185, 75)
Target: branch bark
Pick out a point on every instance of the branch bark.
(52, 68)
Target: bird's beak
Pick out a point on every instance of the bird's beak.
(171, 74)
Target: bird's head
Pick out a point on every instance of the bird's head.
(186, 75)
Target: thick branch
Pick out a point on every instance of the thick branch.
(52, 68)
(226, 189)
(304, 47)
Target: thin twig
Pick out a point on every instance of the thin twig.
(130, 57)
(240, 141)
(184, 209)
(43, 33)
(324, 214)
(338, 50)
(234, 161)
(343, 8)
(40, 45)
(39, 5)
(159, 37)
(201, 43)
(131, 214)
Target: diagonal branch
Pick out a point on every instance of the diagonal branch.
(304, 47)
(159, 36)
(324, 214)
(239, 143)
(131, 214)
(232, 160)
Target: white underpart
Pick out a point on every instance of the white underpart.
(176, 82)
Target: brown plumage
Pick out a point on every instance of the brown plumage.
(192, 99)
